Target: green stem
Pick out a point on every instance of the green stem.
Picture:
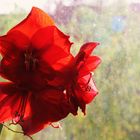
(1, 126)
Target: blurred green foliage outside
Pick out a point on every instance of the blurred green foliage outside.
(115, 113)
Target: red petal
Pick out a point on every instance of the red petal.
(12, 66)
(35, 20)
(54, 50)
(59, 59)
(47, 106)
(31, 126)
(9, 101)
(88, 47)
(85, 91)
(14, 41)
(12, 47)
(49, 37)
(87, 88)
(86, 51)
(89, 65)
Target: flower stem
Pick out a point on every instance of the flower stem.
(1, 126)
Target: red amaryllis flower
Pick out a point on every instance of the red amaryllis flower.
(82, 89)
(33, 56)
(46, 82)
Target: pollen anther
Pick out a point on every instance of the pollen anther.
(30, 61)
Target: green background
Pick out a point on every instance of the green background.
(115, 113)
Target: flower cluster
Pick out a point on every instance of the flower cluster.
(45, 81)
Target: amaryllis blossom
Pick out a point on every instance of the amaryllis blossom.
(33, 55)
(82, 90)
(45, 81)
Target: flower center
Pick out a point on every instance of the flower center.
(30, 61)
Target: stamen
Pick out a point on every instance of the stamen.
(86, 87)
(34, 63)
(30, 61)
(27, 65)
(89, 78)
(19, 114)
(28, 57)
